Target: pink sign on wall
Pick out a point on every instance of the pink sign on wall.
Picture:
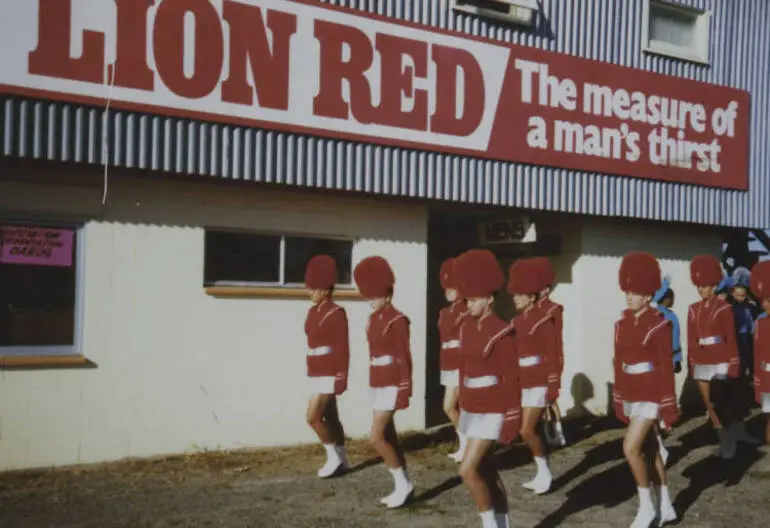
(36, 246)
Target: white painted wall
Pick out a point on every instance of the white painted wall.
(594, 301)
(179, 370)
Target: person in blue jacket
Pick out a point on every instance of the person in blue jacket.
(664, 301)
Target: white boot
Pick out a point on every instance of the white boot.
(457, 456)
(488, 519)
(502, 520)
(727, 443)
(666, 512)
(543, 479)
(334, 462)
(743, 436)
(403, 489)
(645, 515)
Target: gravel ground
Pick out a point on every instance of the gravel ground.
(277, 488)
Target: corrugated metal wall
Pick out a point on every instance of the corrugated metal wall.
(606, 30)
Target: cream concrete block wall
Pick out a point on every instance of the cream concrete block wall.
(603, 244)
(179, 370)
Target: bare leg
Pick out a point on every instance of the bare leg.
(499, 495)
(476, 478)
(705, 391)
(322, 416)
(543, 479)
(633, 445)
(385, 440)
(452, 409)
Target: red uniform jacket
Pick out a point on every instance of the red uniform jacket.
(449, 320)
(538, 357)
(487, 348)
(556, 311)
(390, 354)
(326, 327)
(761, 356)
(711, 335)
(642, 363)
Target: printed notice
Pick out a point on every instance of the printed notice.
(36, 246)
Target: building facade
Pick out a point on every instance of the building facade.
(167, 167)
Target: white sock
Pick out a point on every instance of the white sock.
(503, 520)
(542, 466)
(332, 454)
(400, 478)
(645, 498)
(488, 519)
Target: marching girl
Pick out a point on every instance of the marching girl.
(538, 361)
(712, 350)
(552, 411)
(760, 286)
(449, 320)
(490, 395)
(390, 370)
(644, 390)
(328, 358)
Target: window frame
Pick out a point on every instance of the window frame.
(461, 6)
(58, 351)
(701, 51)
(281, 284)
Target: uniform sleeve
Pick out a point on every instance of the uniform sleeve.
(727, 327)
(338, 322)
(505, 350)
(692, 336)
(552, 359)
(403, 353)
(661, 340)
(617, 389)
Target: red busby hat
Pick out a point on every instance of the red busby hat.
(639, 273)
(447, 274)
(525, 277)
(705, 270)
(760, 280)
(478, 273)
(321, 273)
(374, 277)
(545, 270)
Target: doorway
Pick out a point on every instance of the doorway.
(452, 231)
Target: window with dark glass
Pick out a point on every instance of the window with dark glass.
(242, 258)
(38, 281)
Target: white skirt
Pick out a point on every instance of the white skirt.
(766, 402)
(384, 398)
(321, 384)
(450, 378)
(710, 372)
(486, 426)
(534, 397)
(648, 410)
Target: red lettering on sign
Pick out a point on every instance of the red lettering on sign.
(249, 45)
(449, 61)
(397, 81)
(168, 41)
(52, 55)
(131, 70)
(333, 70)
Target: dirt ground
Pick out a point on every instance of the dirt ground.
(278, 488)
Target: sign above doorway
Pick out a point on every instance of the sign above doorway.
(520, 230)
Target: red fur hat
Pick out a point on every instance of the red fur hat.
(705, 270)
(545, 270)
(525, 277)
(760, 280)
(374, 277)
(639, 273)
(447, 274)
(321, 273)
(478, 273)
